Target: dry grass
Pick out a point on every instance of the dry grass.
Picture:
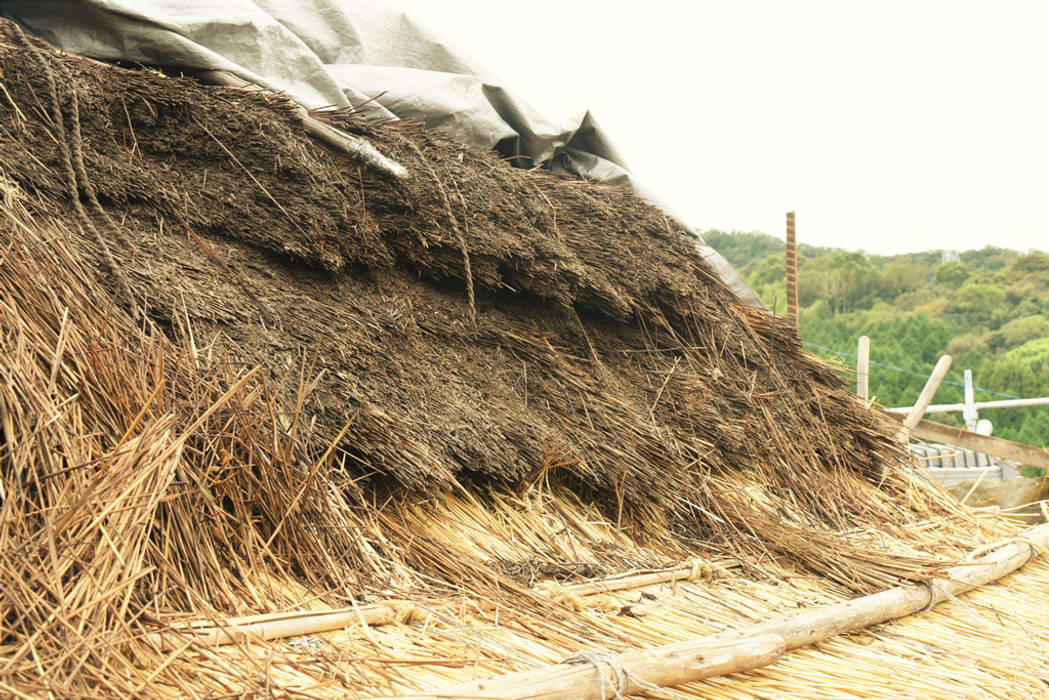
(990, 642)
(119, 458)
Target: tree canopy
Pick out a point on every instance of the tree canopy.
(988, 308)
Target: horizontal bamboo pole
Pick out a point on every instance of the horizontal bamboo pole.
(292, 624)
(819, 624)
(640, 579)
(759, 644)
(978, 405)
(277, 625)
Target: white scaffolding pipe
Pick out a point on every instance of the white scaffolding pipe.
(979, 406)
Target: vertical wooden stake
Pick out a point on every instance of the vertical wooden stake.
(969, 412)
(925, 398)
(863, 360)
(792, 271)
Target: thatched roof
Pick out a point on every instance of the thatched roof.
(244, 374)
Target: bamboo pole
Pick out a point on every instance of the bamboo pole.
(292, 624)
(640, 579)
(792, 271)
(278, 625)
(863, 367)
(759, 643)
(819, 624)
(978, 405)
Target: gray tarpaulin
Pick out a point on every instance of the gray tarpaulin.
(335, 53)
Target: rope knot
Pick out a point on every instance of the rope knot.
(623, 678)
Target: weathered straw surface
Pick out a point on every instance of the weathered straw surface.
(240, 374)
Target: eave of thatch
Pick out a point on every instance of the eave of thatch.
(991, 639)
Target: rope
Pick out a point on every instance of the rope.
(623, 678)
(74, 171)
(934, 594)
(701, 570)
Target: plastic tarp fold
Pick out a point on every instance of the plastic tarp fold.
(338, 53)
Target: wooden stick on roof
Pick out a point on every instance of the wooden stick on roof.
(354, 146)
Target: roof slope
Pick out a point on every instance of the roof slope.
(237, 366)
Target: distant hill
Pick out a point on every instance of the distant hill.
(988, 308)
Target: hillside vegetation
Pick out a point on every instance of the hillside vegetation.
(988, 308)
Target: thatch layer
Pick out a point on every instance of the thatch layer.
(232, 360)
(602, 346)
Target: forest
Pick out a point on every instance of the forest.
(987, 308)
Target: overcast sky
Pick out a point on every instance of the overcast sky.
(888, 126)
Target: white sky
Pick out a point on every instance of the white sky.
(888, 126)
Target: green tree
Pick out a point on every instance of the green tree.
(1020, 330)
(980, 301)
(969, 350)
(847, 280)
(990, 310)
(1032, 428)
(989, 258)
(900, 276)
(744, 249)
(1023, 370)
(952, 274)
(1034, 263)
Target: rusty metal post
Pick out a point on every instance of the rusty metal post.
(792, 271)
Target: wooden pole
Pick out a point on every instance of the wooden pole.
(643, 578)
(970, 413)
(792, 271)
(759, 644)
(925, 398)
(819, 624)
(601, 675)
(863, 369)
(994, 446)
